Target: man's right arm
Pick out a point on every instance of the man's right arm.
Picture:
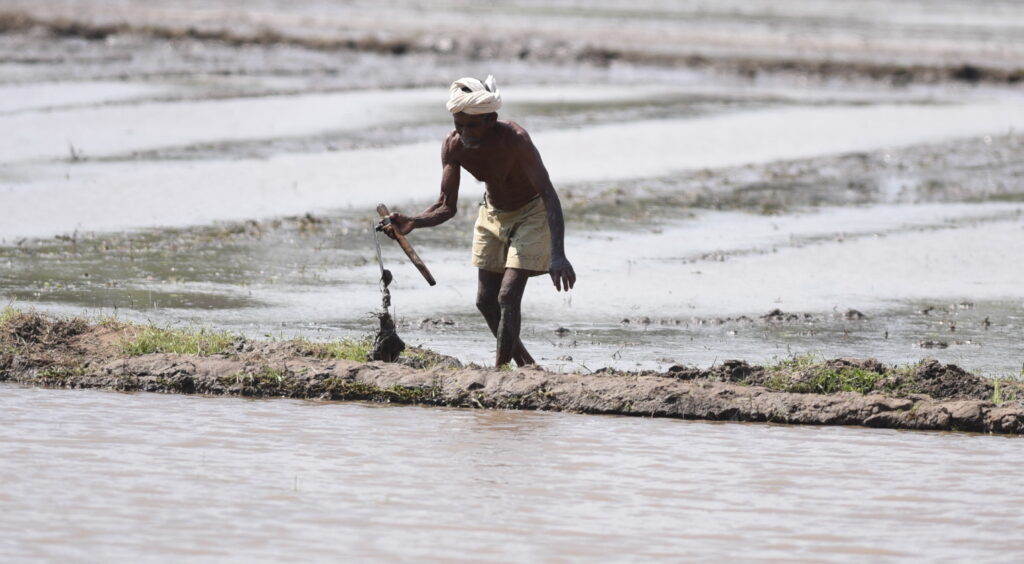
(446, 205)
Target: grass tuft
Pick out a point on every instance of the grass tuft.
(343, 389)
(793, 364)
(154, 340)
(830, 381)
(7, 314)
(426, 359)
(1004, 390)
(264, 381)
(805, 374)
(59, 375)
(357, 350)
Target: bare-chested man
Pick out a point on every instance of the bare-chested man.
(519, 231)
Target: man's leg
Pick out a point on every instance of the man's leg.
(510, 298)
(488, 290)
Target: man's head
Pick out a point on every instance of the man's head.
(473, 128)
(474, 105)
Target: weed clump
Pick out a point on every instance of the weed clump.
(344, 389)
(807, 375)
(426, 359)
(1005, 390)
(357, 350)
(150, 339)
(23, 329)
(7, 314)
(59, 375)
(263, 381)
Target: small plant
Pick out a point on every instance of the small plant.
(59, 375)
(830, 381)
(1004, 390)
(777, 382)
(344, 389)
(346, 349)
(154, 340)
(794, 363)
(806, 375)
(7, 314)
(264, 381)
(426, 359)
(75, 153)
(111, 322)
(901, 381)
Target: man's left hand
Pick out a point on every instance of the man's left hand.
(562, 274)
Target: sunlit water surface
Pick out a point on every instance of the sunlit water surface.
(98, 476)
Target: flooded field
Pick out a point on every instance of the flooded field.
(741, 180)
(253, 214)
(156, 478)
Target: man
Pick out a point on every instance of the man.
(519, 231)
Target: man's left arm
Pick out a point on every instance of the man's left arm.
(562, 274)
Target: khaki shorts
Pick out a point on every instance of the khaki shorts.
(512, 239)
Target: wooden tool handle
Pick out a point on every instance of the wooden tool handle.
(382, 210)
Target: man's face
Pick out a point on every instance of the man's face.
(473, 128)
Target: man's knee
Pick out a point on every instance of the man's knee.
(487, 299)
(509, 298)
(487, 304)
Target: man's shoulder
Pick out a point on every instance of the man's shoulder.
(450, 145)
(516, 133)
(513, 128)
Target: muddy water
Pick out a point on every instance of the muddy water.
(151, 478)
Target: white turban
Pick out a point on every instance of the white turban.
(469, 95)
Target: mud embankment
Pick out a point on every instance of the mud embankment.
(530, 48)
(75, 354)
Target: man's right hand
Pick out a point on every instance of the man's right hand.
(400, 222)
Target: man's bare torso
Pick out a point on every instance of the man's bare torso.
(498, 164)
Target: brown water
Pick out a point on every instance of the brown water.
(99, 476)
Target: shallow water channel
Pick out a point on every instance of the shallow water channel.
(100, 476)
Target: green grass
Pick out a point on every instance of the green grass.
(357, 350)
(155, 340)
(7, 314)
(58, 375)
(343, 389)
(264, 381)
(997, 392)
(426, 359)
(1003, 390)
(794, 364)
(830, 381)
(806, 375)
(902, 382)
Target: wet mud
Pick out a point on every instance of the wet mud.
(73, 353)
(534, 48)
